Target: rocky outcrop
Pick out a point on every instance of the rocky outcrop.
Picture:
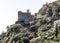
(40, 30)
(51, 10)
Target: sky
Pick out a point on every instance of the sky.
(9, 10)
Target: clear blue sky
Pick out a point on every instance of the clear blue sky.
(9, 9)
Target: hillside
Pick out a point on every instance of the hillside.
(45, 29)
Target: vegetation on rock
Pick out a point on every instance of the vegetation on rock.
(40, 30)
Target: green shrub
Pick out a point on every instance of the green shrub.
(3, 34)
(56, 39)
(13, 41)
(44, 21)
(16, 26)
(25, 40)
(49, 26)
(56, 31)
(47, 41)
(33, 29)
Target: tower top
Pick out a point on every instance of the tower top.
(27, 10)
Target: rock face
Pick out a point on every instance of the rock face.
(50, 10)
(41, 30)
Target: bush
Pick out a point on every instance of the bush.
(17, 39)
(49, 26)
(3, 34)
(25, 40)
(47, 41)
(56, 31)
(15, 28)
(56, 39)
(33, 29)
(44, 21)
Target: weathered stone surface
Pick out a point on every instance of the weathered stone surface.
(40, 30)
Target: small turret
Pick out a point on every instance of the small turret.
(27, 10)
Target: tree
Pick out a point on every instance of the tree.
(56, 31)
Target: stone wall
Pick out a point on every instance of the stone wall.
(25, 16)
